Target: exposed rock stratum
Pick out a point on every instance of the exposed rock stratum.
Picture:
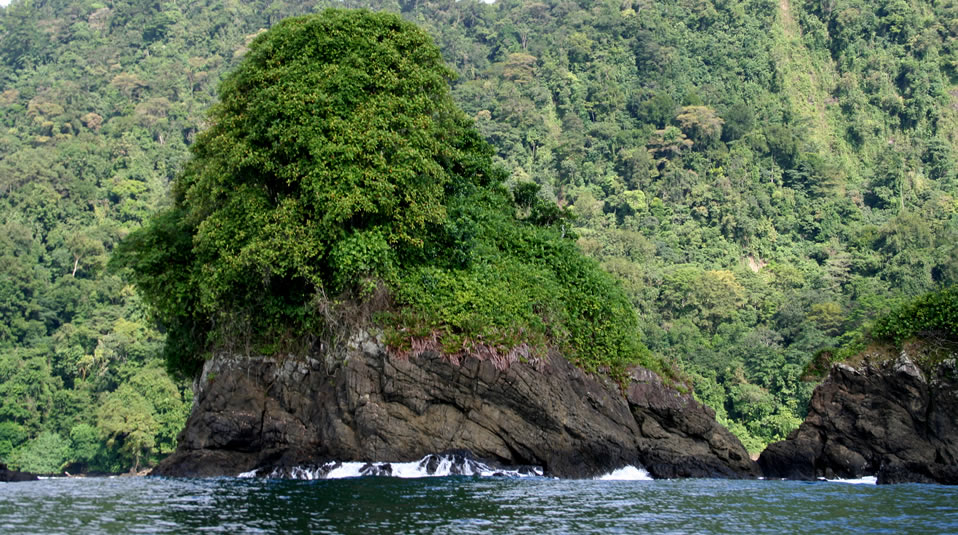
(266, 413)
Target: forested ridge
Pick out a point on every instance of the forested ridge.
(764, 177)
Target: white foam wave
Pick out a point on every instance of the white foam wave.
(867, 480)
(627, 473)
(429, 466)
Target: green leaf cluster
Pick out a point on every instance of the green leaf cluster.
(528, 284)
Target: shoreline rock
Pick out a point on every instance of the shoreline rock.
(12, 476)
(268, 413)
(891, 420)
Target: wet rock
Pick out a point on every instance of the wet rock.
(267, 413)
(887, 420)
(380, 469)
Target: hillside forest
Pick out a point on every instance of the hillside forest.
(764, 177)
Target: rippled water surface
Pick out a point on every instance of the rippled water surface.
(464, 505)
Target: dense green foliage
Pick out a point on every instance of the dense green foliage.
(928, 324)
(335, 162)
(764, 177)
(95, 118)
(931, 315)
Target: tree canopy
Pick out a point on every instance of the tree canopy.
(336, 161)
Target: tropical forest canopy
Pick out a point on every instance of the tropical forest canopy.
(336, 164)
(763, 177)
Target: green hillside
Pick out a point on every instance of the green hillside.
(764, 177)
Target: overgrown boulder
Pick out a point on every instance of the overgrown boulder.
(337, 175)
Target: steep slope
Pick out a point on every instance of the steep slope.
(808, 81)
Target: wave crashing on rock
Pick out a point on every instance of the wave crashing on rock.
(432, 465)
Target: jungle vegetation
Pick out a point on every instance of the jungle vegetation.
(336, 166)
(763, 178)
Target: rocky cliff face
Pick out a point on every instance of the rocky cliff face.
(267, 413)
(891, 420)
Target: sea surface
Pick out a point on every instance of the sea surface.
(471, 504)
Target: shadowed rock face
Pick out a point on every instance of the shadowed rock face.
(889, 421)
(10, 476)
(262, 412)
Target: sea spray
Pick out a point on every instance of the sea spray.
(432, 465)
(627, 473)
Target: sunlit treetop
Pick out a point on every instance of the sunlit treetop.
(336, 132)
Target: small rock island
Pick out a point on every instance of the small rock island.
(887, 410)
(348, 277)
(891, 420)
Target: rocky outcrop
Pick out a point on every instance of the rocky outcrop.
(10, 476)
(268, 413)
(891, 420)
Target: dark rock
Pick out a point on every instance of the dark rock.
(380, 469)
(10, 476)
(271, 414)
(886, 420)
(790, 459)
(680, 437)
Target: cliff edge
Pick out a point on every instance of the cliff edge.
(885, 417)
(274, 414)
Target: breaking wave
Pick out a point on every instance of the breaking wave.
(432, 465)
(867, 480)
(627, 473)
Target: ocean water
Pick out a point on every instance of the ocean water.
(471, 504)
